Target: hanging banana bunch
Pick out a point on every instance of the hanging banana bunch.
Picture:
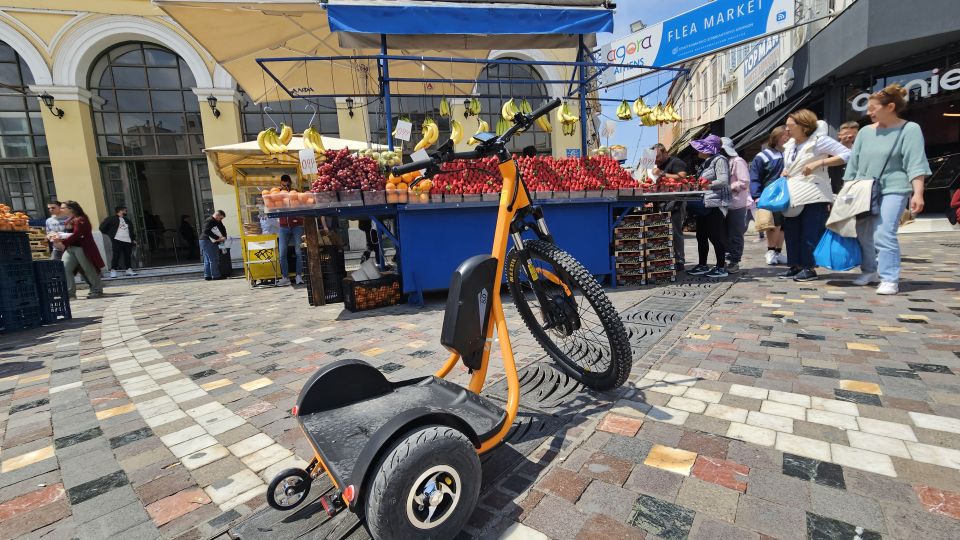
(623, 111)
(509, 110)
(542, 122)
(286, 134)
(269, 142)
(502, 126)
(482, 127)
(313, 141)
(640, 108)
(568, 122)
(672, 113)
(444, 108)
(456, 131)
(431, 132)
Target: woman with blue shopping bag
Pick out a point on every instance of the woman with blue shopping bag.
(891, 152)
(806, 158)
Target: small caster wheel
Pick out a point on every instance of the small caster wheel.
(288, 489)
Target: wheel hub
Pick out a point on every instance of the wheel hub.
(560, 312)
(433, 497)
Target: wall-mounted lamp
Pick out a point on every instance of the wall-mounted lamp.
(48, 102)
(466, 108)
(349, 102)
(212, 101)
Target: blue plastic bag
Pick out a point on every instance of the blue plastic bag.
(837, 252)
(775, 197)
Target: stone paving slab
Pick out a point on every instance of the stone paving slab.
(756, 407)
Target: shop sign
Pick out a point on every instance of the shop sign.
(947, 82)
(772, 93)
(308, 162)
(711, 27)
(760, 61)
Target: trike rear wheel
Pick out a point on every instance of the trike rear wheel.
(580, 329)
(426, 486)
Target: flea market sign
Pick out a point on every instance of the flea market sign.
(711, 27)
(922, 88)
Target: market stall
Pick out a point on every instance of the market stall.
(256, 180)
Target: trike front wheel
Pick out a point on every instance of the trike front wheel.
(571, 317)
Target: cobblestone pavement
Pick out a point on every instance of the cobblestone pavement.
(757, 408)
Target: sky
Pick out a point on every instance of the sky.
(630, 133)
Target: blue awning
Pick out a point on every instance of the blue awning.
(469, 19)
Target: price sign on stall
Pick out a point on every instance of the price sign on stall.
(648, 160)
(420, 155)
(403, 130)
(308, 162)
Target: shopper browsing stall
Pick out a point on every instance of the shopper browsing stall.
(891, 151)
(122, 238)
(806, 158)
(214, 234)
(736, 219)
(290, 229)
(711, 228)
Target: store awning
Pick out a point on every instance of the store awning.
(248, 154)
(466, 18)
(237, 33)
(762, 127)
(688, 135)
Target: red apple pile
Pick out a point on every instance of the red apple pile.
(342, 170)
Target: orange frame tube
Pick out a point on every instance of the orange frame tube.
(497, 321)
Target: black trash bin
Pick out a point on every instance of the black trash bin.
(226, 265)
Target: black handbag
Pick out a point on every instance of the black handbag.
(876, 191)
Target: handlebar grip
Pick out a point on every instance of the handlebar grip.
(547, 107)
(472, 154)
(412, 166)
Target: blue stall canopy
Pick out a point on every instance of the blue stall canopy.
(430, 18)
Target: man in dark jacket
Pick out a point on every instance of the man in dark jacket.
(213, 234)
(122, 238)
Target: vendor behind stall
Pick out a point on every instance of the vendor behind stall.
(672, 167)
(291, 229)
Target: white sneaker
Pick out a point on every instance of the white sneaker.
(771, 257)
(299, 279)
(866, 279)
(283, 282)
(130, 272)
(888, 287)
(781, 258)
(113, 273)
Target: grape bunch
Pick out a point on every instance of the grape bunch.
(342, 170)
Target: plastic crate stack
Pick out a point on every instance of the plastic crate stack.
(643, 249)
(19, 302)
(51, 282)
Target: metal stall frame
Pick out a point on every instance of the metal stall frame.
(579, 85)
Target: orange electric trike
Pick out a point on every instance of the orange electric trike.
(404, 455)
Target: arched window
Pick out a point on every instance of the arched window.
(150, 141)
(146, 106)
(517, 81)
(26, 178)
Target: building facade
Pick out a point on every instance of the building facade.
(135, 102)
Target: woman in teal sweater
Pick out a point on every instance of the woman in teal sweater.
(892, 151)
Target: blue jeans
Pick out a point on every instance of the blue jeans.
(878, 238)
(803, 233)
(286, 234)
(211, 259)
